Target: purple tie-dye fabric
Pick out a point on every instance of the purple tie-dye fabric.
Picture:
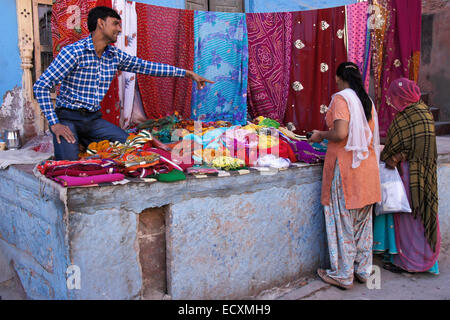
(269, 42)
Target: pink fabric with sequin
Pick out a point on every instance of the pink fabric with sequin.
(357, 34)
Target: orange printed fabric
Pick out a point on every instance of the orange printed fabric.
(361, 185)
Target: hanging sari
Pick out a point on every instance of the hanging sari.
(221, 55)
(127, 42)
(396, 49)
(165, 35)
(318, 49)
(110, 105)
(358, 44)
(269, 43)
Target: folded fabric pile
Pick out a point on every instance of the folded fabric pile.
(138, 157)
(81, 173)
(203, 144)
(214, 146)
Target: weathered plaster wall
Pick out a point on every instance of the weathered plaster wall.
(235, 247)
(32, 233)
(102, 245)
(435, 70)
(12, 111)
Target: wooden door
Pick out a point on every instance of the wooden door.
(201, 5)
(216, 5)
(226, 5)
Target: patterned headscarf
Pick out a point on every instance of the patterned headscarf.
(402, 93)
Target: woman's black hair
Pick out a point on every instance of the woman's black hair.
(102, 13)
(349, 72)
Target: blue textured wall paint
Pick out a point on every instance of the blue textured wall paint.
(234, 247)
(102, 245)
(292, 5)
(33, 230)
(165, 3)
(11, 73)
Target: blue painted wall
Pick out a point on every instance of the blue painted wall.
(292, 5)
(11, 73)
(165, 3)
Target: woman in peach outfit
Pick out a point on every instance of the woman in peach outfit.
(351, 182)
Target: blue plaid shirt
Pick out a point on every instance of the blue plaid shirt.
(85, 78)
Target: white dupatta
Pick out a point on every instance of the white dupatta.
(359, 133)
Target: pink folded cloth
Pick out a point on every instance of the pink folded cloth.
(201, 170)
(68, 181)
(80, 170)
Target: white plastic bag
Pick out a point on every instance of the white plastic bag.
(394, 198)
(272, 161)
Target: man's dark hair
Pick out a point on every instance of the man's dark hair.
(102, 13)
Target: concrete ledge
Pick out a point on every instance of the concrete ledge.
(157, 194)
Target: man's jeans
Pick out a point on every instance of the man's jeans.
(87, 127)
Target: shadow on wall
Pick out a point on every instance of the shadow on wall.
(151, 238)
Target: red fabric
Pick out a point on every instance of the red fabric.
(165, 35)
(321, 46)
(171, 160)
(50, 164)
(402, 93)
(283, 150)
(66, 13)
(80, 171)
(110, 105)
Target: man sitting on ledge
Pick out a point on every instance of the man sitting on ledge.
(85, 70)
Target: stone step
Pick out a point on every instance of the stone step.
(435, 112)
(442, 127)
